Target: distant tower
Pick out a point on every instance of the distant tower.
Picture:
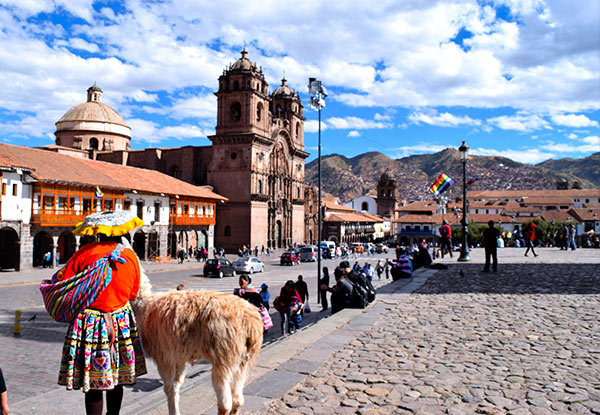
(387, 196)
(93, 126)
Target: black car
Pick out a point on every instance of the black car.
(219, 268)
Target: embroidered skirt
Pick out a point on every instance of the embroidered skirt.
(89, 361)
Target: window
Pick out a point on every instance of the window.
(48, 202)
(108, 204)
(3, 189)
(186, 209)
(227, 230)
(126, 204)
(87, 205)
(279, 184)
(140, 209)
(233, 156)
(297, 130)
(259, 111)
(94, 143)
(235, 111)
(259, 187)
(364, 206)
(156, 211)
(15, 186)
(236, 85)
(298, 193)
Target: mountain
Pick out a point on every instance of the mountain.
(348, 178)
(587, 168)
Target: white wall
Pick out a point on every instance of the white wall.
(356, 204)
(16, 207)
(148, 210)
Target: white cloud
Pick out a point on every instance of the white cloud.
(152, 133)
(572, 136)
(521, 123)
(529, 156)
(592, 139)
(571, 148)
(312, 126)
(404, 151)
(203, 106)
(355, 123)
(142, 96)
(573, 120)
(354, 133)
(382, 117)
(442, 120)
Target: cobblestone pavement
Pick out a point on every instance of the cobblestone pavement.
(525, 340)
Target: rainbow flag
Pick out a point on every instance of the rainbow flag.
(473, 180)
(99, 192)
(441, 184)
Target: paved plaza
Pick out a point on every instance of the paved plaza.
(524, 340)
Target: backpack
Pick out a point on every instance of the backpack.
(359, 296)
(358, 278)
(444, 231)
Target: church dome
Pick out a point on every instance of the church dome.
(93, 115)
(283, 89)
(243, 63)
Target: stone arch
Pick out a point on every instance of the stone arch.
(94, 143)
(259, 186)
(10, 253)
(183, 240)
(203, 239)
(364, 206)
(172, 244)
(193, 241)
(42, 243)
(139, 244)
(66, 246)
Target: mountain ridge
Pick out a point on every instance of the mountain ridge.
(348, 178)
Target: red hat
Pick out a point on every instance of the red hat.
(532, 225)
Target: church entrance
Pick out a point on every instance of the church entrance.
(278, 235)
(42, 243)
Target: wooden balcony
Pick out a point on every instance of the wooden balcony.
(181, 219)
(57, 217)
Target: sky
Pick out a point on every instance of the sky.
(519, 79)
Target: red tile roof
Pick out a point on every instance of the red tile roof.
(48, 166)
(352, 217)
(547, 200)
(584, 214)
(512, 194)
(559, 216)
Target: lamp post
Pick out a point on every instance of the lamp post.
(464, 250)
(317, 102)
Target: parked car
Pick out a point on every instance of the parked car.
(289, 258)
(381, 248)
(248, 265)
(308, 253)
(219, 268)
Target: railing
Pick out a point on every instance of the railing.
(52, 217)
(414, 232)
(179, 219)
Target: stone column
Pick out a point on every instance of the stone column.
(77, 242)
(54, 247)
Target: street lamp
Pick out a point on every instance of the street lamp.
(317, 102)
(464, 251)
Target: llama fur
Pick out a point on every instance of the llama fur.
(180, 327)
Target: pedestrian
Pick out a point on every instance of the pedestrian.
(323, 293)
(262, 250)
(47, 260)
(57, 258)
(302, 289)
(256, 251)
(3, 396)
(247, 291)
(370, 273)
(379, 269)
(445, 238)
(287, 306)
(341, 292)
(402, 268)
(421, 257)
(102, 349)
(572, 234)
(530, 238)
(181, 255)
(387, 267)
(490, 244)
(265, 295)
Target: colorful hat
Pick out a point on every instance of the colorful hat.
(109, 223)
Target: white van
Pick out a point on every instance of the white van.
(308, 253)
(329, 244)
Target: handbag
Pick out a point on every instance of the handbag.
(307, 308)
(66, 298)
(266, 318)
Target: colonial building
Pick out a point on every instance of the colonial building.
(256, 159)
(45, 194)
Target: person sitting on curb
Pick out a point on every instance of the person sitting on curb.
(341, 292)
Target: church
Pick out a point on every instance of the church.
(256, 159)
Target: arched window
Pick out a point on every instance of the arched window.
(259, 108)
(278, 109)
(175, 172)
(235, 111)
(259, 187)
(364, 206)
(298, 193)
(227, 230)
(297, 130)
(236, 85)
(279, 184)
(94, 143)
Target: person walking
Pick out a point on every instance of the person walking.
(302, 289)
(3, 396)
(571, 235)
(445, 238)
(323, 293)
(530, 237)
(102, 349)
(387, 267)
(379, 268)
(285, 304)
(265, 295)
(490, 244)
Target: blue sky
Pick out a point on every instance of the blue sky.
(514, 78)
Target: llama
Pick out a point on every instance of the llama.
(180, 327)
